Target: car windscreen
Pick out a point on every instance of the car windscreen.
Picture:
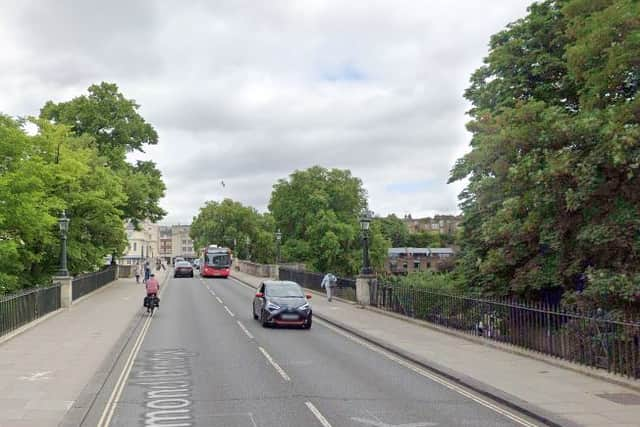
(218, 260)
(284, 290)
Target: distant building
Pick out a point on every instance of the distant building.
(408, 260)
(142, 244)
(154, 242)
(443, 224)
(181, 243)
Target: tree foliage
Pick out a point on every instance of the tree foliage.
(42, 175)
(553, 170)
(317, 210)
(229, 223)
(116, 128)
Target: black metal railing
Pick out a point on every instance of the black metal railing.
(88, 283)
(346, 287)
(596, 339)
(19, 309)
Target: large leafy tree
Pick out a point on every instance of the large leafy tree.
(242, 228)
(317, 210)
(41, 176)
(116, 128)
(552, 200)
(394, 229)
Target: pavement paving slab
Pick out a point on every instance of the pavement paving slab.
(45, 368)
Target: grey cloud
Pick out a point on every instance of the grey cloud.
(240, 90)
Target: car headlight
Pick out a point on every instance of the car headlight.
(272, 306)
(304, 306)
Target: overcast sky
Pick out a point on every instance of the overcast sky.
(247, 91)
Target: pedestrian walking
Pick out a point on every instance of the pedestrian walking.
(138, 272)
(329, 282)
(147, 271)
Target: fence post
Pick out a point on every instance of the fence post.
(66, 290)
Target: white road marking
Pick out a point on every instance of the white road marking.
(37, 376)
(318, 415)
(281, 371)
(431, 376)
(229, 311)
(219, 300)
(110, 407)
(381, 424)
(245, 330)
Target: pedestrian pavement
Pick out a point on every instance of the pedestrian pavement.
(45, 369)
(546, 391)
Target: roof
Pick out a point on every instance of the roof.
(425, 251)
(279, 282)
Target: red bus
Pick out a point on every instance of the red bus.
(216, 262)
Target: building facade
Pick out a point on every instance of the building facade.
(409, 260)
(443, 224)
(142, 244)
(181, 243)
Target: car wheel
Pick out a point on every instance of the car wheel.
(255, 316)
(263, 319)
(307, 324)
(191, 274)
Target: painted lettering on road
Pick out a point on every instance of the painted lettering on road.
(167, 379)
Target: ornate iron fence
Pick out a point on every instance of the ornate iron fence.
(19, 309)
(87, 283)
(346, 286)
(594, 339)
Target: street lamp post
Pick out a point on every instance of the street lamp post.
(63, 223)
(365, 222)
(248, 241)
(278, 240)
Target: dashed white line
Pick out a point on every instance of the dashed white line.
(219, 300)
(245, 330)
(318, 415)
(229, 311)
(281, 371)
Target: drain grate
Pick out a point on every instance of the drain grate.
(621, 398)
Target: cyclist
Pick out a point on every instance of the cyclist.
(153, 287)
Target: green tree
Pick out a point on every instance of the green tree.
(41, 176)
(231, 224)
(317, 210)
(424, 239)
(553, 172)
(394, 229)
(116, 128)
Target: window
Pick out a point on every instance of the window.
(135, 248)
(416, 265)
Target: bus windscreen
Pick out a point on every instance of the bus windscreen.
(218, 260)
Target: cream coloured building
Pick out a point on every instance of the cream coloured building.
(142, 244)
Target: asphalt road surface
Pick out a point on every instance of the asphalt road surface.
(203, 360)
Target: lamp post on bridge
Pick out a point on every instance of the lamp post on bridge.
(365, 222)
(63, 224)
(278, 240)
(366, 281)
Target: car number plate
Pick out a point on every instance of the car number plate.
(289, 317)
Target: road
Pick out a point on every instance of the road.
(203, 360)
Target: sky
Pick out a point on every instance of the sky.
(247, 91)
